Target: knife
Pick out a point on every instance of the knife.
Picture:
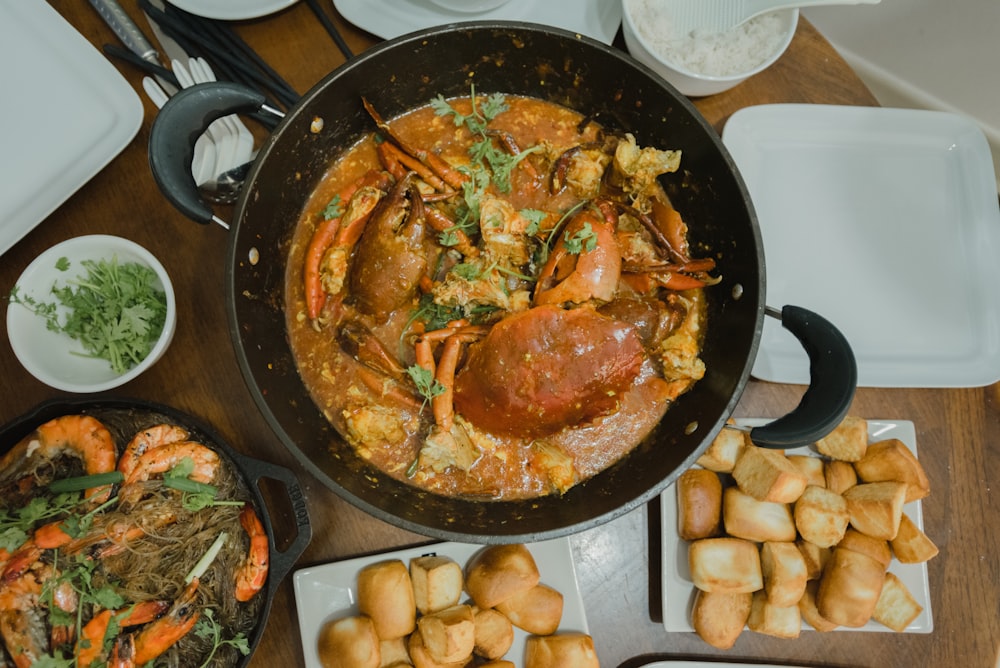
(170, 46)
(130, 35)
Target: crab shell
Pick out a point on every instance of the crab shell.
(547, 368)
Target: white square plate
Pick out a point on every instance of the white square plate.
(678, 591)
(885, 222)
(66, 113)
(326, 592)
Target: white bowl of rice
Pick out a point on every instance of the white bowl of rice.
(700, 62)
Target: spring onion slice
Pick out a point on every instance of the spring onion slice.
(206, 559)
(80, 483)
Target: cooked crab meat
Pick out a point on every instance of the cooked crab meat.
(446, 449)
(504, 232)
(640, 167)
(585, 171)
(474, 287)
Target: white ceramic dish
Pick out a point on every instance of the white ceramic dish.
(326, 592)
(884, 221)
(66, 113)
(469, 6)
(56, 359)
(598, 19)
(232, 10)
(678, 592)
(682, 77)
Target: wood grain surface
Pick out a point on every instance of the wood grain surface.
(958, 430)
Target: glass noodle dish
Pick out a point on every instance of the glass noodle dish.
(125, 540)
(491, 296)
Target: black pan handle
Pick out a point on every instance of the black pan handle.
(177, 126)
(281, 561)
(833, 379)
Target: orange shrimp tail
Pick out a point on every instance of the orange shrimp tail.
(158, 637)
(252, 575)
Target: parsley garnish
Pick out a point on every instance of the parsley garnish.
(534, 218)
(333, 209)
(481, 115)
(208, 629)
(115, 310)
(584, 239)
(484, 153)
(15, 526)
(427, 385)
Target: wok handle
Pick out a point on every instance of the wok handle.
(177, 126)
(281, 562)
(833, 379)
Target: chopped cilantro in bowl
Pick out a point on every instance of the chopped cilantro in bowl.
(91, 313)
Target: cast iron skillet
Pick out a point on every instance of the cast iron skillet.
(125, 417)
(513, 58)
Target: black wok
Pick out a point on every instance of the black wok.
(583, 74)
(125, 417)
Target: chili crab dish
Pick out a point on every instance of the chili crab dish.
(491, 296)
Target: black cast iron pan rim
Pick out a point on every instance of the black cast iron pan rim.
(640, 496)
(715, 197)
(251, 471)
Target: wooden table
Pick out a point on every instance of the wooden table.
(958, 430)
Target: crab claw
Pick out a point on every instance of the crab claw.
(547, 368)
(590, 273)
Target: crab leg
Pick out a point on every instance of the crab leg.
(441, 223)
(397, 162)
(438, 165)
(454, 335)
(329, 233)
(443, 404)
(668, 220)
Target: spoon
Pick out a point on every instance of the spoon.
(687, 16)
(225, 187)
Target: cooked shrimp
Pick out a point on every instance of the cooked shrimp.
(169, 455)
(80, 436)
(92, 636)
(165, 457)
(253, 572)
(22, 624)
(158, 637)
(152, 437)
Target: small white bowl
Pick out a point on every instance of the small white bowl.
(683, 78)
(469, 6)
(55, 358)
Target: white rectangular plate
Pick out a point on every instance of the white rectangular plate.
(66, 113)
(885, 222)
(326, 592)
(598, 19)
(678, 591)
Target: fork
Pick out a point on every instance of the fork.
(203, 163)
(242, 149)
(219, 132)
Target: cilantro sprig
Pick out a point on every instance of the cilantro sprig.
(16, 524)
(115, 310)
(208, 629)
(195, 495)
(427, 385)
(583, 240)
